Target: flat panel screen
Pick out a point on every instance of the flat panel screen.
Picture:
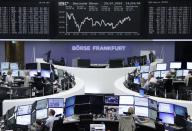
(179, 73)
(161, 66)
(141, 111)
(175, 65)
(41, 104)
(123, 108)
(23, 120)
(185, 72)
(189, 65)
(14, 66)
(141, 101)
(164, 73)
(167, 118)
(111, 100)
(157, 74)
(45, 73)
(56, 102)
(45, 66)
(4, 65)
(136, 80)
(69, 111)
(31, 66)
(21, 73)
(180, 110)
(152, 104)
(126, 100)
(152, 114)
(24, 110)
(144, 69)
(41, 114)
(165, 107)
(32, 73)
(15, 73)
(70, 101)
(145, 75)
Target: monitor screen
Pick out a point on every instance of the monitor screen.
(180, 110)
(14, 66)
(70, 101)
(24, 110)
(31, 66)
(161, 66)
(4, 65)
(22, 73)
(152, 114)
(45, 73)
(152, 104)
(144, 69)
(41, 104)
(126, 100)
(136, 80)
(33, 73)
(141, 111)
(82, 99)
(157, 74)
(185, 72)
(123, 108)
(111, 100)
(23, 120)
(167, 118)
(189, 65)
(141, 101)
(164, 73)
(145, 76)
(179, 73)
(69, 111)
(113, 109)
(165, 107)
(56, 102)
(15, 73)
(45, 66)
(175, 65)
(41, 114)
(58, 110)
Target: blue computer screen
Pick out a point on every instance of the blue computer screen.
(112, 100)
(41, 104)
(179, 110)
(69, 111)
(24, 110)
(70, 101)
(167, 118)
(56, 102)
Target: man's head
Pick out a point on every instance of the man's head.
(51, 112)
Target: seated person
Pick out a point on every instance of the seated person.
(9, 78)
(27, 79)
(151, 80)
(50, 120)
(127, 123)
(186, 80)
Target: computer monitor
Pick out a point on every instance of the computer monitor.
(4, 65)
(185, 72)
(126, 100)
(145, 75)
(58, 110)
(164, 73)
(141, 101)
(123, 108)
(144, 69)
(136, 80)
(69, 111)
(14, 66)
(45, 66)
(179, 73)
(45, 73)
(41, 104)
(166, 107)
(152, 114)
(24, 110)
(157, 74)
(84, 63)
(41, 114)
(32, 73)
(141, 111)
(82, 99)
(111, 100)
(22, 73)
(152, 104)
(161, 66)
(167, 118)
(116, 63)
(31, 66)
(15, 73)
(113, 109)
(175, 65)
(70, 101)
(23, 120)
(180, 110)
(55, 102)
(189, 65)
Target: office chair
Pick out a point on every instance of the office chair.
(159, 126)
(39, 85)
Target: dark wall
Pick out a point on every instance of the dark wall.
(64, 49)
(2, 51)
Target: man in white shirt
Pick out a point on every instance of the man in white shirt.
(151, 80)
(9, 78)
(50, 120)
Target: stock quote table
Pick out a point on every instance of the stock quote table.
(72, 20)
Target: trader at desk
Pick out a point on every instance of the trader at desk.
(9, 78)
(187, 77)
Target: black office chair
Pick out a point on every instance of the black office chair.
(39, 85)
(159, 126)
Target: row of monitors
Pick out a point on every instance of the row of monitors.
(7, 65)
